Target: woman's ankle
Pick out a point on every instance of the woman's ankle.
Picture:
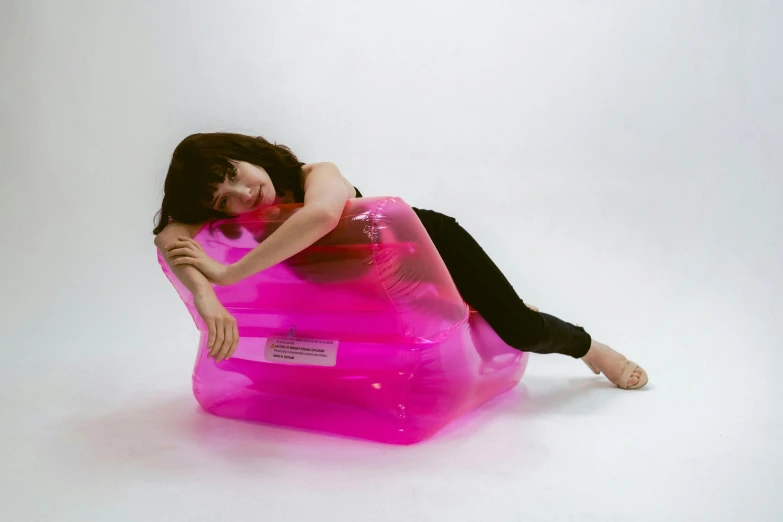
(596, 352)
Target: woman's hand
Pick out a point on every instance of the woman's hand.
(187, 251)
(223, 334)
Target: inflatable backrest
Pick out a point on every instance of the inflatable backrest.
(376, 277)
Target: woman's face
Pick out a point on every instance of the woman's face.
(245, 189)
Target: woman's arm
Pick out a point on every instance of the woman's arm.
(326, 193)
(190, 276)
(223, 333)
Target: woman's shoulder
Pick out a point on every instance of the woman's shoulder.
(307, 168)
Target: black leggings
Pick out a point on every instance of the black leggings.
(484, 287)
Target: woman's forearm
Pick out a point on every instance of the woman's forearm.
(193, 279)
(297, 233)
(190, 276)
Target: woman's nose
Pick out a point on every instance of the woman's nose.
(244, 194)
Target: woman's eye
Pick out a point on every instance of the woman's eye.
(232, 174)
(222, 204)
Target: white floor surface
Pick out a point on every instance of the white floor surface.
(82, 441)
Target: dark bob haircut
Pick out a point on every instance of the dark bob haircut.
(201, 162)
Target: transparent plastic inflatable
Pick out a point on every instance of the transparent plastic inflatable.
(363, 334)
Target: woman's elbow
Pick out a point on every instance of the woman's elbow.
(333, 219)
(161, 240)
(329, 218)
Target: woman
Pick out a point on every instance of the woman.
(218, 175)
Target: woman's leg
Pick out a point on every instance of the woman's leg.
(484, 287)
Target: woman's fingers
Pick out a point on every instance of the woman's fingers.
(187, 245)
(184, 261)
(185, 252)
(219, 336)
(235, 343)
(178, 244)
(228, 340)
(191, 241)
(223, 335)
(181, 251)
(211, 324)
(232, 346)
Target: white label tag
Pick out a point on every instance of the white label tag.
(312, 352)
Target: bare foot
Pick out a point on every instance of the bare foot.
(612, 364)
(534, 308)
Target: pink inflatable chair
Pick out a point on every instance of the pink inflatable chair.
(363, 334)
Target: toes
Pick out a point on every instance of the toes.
(618, 372)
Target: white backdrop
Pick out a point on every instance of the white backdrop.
(621, 162)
